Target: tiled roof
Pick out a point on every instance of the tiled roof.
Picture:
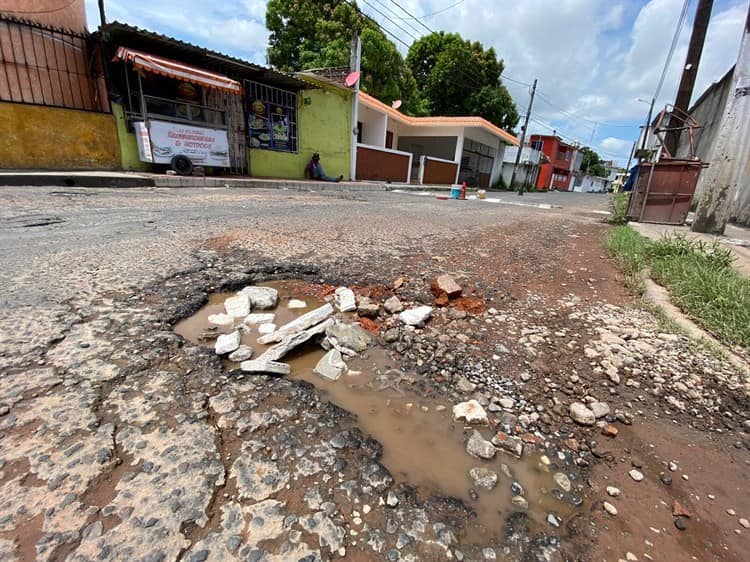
(468, 121)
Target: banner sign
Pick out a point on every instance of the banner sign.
(143, 142)
(204, 147)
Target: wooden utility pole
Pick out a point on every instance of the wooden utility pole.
(523, 139)
(728, 176)
(689, 72)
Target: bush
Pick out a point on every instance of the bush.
(618, 204)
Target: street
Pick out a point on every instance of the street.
(122, 440)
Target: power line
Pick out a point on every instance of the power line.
(394, 23)
(672, 47)
(407, 21)
(411, 16)
(434, 13)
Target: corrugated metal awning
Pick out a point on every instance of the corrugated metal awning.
(174, 69)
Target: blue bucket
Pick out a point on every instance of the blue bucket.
(455, 192)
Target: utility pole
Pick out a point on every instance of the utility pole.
(689, 72)
(523, 139)
(726, 180)
(354, 65)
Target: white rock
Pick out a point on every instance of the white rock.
(259, 318)
(261, 297)
(393, 305)
(344, 299)
(331, 366)
(227, 343)
(613, 491)
(237, 306)
(242, 353)
(600, 409)
(581, 414)
(609, 508)
(636, 475)
(291, 341)
(298, 324)
(478, 446)
(296, 303)
(562, 481)
(267, 328)
(416, 316)
(221, 319)
(470, 411)
(262, 366)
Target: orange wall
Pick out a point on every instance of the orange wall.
(49, 12)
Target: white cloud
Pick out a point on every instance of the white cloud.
(615, 145)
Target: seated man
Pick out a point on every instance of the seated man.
(314, 170)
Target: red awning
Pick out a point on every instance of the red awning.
(174, 69)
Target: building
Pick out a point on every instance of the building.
(63, 14)
(564, 160)
(527, 170)
(427, 150)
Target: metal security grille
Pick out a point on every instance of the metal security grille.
(277, 102)
(43, 65)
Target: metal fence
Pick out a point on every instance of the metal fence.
(43, 65)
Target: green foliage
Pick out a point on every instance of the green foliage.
(618, 203)
(317, 34)
(458, 77)
(698, 275)
(592, 163)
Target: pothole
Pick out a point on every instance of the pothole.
(423, 446)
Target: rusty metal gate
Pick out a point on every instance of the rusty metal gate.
(665, 191)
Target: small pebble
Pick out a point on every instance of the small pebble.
(612, 491)
(609, 508)
(636, 475)
(745, 523)
(731, 512)
(680, 523)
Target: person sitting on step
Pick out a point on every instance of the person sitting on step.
(314, 170)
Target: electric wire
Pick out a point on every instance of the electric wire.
(433, 13)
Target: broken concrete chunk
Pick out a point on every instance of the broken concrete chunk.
(259, 318)
(508, 443)
(237, 306)
(261, 297)
(221, 319)
(470, 411)
(267, 328)
(344, 298)
(298, 324)
(262, 366)
(348, 338)
(293, 340)
(242, 353)
(227, 343)
(331, 366)
(367, 308)
(478, 446)
(446, 284)
(416, 316)
(296, 303)
(393, 305)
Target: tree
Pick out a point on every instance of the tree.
(317, 34)
(591, 163)
(458, 77)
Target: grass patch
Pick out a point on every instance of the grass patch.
(699, 277)
(618, 204)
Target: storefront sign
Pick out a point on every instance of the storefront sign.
(268, 126)
(143, 142)
(205, 147)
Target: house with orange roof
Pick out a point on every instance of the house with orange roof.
(392, 146)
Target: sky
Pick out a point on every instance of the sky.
(593, 59)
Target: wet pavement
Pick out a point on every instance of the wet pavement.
(121, 439)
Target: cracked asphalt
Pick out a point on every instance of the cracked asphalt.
(121, 441)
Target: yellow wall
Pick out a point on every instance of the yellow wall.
(324, 126)
(128, 146)
(37, 137)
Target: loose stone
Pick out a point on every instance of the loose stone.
(483, 477)
(470, 411)
(636, 475)
(242, 353)
(344, 299)
(562, 481)
(416, 316)
(613, 491)
(609, 508)
(478, 446)
(581, 414)
(227, 343)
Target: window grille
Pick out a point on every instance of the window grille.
(271, 117)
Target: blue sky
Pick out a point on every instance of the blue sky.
(593, 58)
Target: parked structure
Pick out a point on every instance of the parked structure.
(563, 161)
(427, 150)
(528, 167)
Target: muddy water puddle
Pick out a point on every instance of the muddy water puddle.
(422, 445)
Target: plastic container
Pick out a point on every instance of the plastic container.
(455, 192)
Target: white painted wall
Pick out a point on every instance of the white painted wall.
(373, 126)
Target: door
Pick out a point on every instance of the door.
(231, 104)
